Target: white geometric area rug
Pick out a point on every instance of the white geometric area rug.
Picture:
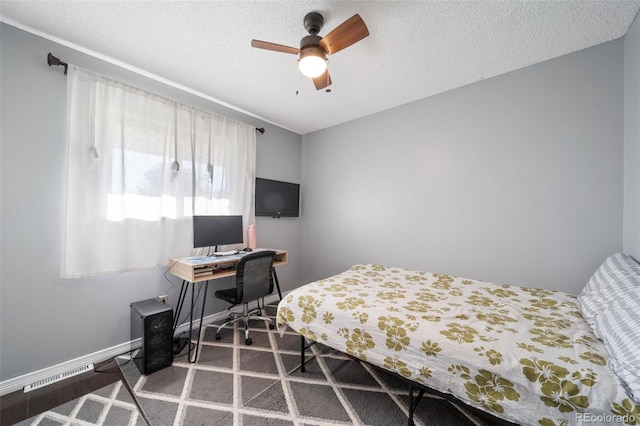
(261, 384)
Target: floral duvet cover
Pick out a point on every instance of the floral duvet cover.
(521, 354)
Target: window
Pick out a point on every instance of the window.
(139, 167)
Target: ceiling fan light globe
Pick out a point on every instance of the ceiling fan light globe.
(312, 66)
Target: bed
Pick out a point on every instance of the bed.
(525, 355)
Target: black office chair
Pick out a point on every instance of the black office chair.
(254, 280)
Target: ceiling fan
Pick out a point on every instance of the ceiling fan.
(314, 49)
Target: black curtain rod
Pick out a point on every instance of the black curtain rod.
(52, 60)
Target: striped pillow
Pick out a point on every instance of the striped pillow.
(619, 328)
(604, 286)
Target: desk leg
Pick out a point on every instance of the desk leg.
(193, 301)
(181, 297)
(183, 293)
(194, 358)
(275, 279)
(204, 301)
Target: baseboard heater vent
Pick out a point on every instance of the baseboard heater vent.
(58, 377)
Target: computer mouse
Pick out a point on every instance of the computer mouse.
(247, 249)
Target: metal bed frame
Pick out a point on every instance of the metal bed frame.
(414, 399)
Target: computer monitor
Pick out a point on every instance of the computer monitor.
(214, 231)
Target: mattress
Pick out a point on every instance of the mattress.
(522, 354)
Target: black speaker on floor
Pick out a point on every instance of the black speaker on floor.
(152, 322)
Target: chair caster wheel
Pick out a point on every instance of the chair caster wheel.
(248, 341)
(218, 336)
(271, 326)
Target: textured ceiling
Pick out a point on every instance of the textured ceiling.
(415, 48)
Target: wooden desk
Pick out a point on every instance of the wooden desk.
(201, 269)
(196, 269)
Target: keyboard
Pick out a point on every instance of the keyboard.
(226, 253)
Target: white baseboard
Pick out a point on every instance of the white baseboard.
(18, 383)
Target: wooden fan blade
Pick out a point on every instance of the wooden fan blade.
(344, 35)
(275, 47)
(323, 81)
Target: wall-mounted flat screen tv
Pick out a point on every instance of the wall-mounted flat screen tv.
(277, 199)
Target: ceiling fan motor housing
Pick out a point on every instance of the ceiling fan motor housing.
(310, 41)
(310, 46)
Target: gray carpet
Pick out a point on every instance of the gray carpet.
(111, 405)
(261, 384)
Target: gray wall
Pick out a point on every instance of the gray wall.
(515, 179)
(631, 242)
(45, 320)
(280, 160)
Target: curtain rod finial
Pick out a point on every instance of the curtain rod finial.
(260, 129)
(52, 60)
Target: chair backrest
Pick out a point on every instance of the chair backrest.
(253, 275)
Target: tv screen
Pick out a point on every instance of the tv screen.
(277, 199)
(213, 231)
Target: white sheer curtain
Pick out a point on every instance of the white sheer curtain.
(139, 167)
